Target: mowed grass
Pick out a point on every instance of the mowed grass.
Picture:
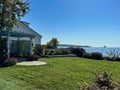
(57, 74)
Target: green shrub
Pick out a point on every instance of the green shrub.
(102, 81)
(65, 51)
(96, 55)
(49, 51)
(58, 52)
(3, 50)
(39, 50)
(52, 52)
(10, 62)
(79, 52)
(113, 55)
(61, 51)
(111, 59)
(118, 59)
(71, 49)
(107, 58)
(87, 55)
(33, 57)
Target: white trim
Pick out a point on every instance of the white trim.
(8, 45)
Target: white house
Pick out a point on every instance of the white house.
(21, 39)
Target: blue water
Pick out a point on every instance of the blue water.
(98, 49)
(101, 49)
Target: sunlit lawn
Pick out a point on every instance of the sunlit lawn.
(58, 74)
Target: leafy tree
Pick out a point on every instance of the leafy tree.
(49, 45)
(11, 11)
(52, 44)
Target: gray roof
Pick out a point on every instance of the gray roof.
(15, 33)
(27, 25)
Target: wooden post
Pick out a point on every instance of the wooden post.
(18, 46)
(30, 46)
(8, 45)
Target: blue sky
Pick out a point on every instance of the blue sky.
(79, 22)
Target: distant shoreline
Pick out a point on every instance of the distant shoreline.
(82, 46)
(69, 45)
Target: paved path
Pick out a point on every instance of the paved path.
(31, 63)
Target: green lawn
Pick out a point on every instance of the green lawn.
(57, 74)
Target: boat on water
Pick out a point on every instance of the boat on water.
(105, 47)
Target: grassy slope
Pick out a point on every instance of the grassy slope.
(58, 74)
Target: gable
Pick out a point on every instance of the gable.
(25, 28)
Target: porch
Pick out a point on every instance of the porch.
(17, 47)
